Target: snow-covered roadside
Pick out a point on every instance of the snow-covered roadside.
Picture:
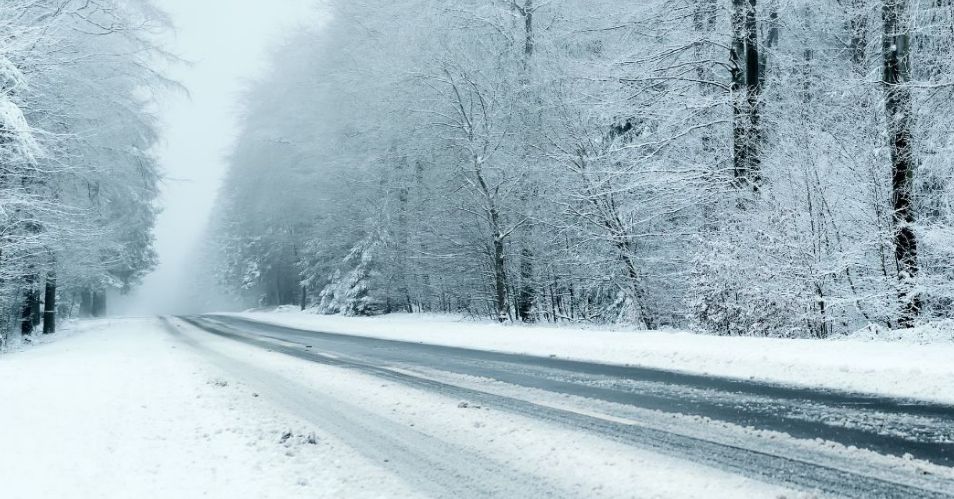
(862, 364)
(119, 409)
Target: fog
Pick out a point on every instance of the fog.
(225, 43)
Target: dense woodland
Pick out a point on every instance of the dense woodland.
(740, 167)
(78, 182)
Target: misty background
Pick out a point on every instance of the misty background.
(224, 43)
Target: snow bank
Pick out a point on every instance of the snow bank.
(913, 368)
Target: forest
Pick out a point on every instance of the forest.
(738, 167)
(78, 180)
(735, 167)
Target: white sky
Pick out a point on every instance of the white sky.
(227, 41)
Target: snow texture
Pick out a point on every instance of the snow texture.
(120, 409)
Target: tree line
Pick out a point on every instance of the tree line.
(740, 167)
(78, 179)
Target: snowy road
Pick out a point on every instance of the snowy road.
(158, 408)
(839, 444)
(442, 441)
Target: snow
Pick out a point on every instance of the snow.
(13, 120)
(122, 408)
(939, 332)
(119, 409)
(919, 367)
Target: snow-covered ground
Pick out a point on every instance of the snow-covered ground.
(120, 409)
(124, 408)
(917, 364)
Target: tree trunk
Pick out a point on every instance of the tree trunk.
(898, 111)
(705, 22)
(639, 296)
(404, 238)
(31, 304)
(36, 309)
(99, 303)
(746, 88)
(500, 269)
(424, 301)
(753, 90)
(736, 55)
(527, 294)
(49, 304)
(528, 27)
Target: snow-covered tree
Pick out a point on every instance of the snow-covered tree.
(79, 179)
(734, 166)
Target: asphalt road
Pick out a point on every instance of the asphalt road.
(884, 426)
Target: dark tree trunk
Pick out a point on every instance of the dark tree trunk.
(705, 19)
(705, 22)
(527, 294)
(753, 90)
(26, 323)
(736, 65)
(746, 72)
(31, 306)
(528, 24)
(898, 110)
(99, 303)
(36, 309)
(31, 301)
(49, 304)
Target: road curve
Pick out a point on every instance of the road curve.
(887, 426)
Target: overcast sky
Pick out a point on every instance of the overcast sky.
(227, 42)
